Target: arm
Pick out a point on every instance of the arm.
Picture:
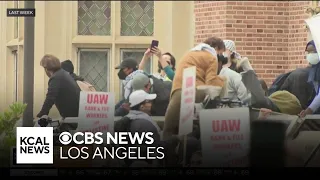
(169, 72)
(164, 64)
(211, 77)
(119, 103)
(127, 90)
(121, 111)
(315, 103)
(53, 91)
(241, 89)
(144, 59)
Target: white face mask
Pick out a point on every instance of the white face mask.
(313, 58)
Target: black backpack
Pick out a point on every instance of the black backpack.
(163, 91)
(122, 125)
(278, 82)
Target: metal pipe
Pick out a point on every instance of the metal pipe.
(28, 73)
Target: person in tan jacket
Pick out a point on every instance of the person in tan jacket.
(204, 57)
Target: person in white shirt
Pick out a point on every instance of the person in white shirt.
(236, 90)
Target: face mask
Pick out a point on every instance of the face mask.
(313, 58)
(122, 75)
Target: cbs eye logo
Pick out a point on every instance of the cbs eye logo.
(65, 138)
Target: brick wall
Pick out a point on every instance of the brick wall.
(270, 33)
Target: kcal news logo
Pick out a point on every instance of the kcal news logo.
(34, 145)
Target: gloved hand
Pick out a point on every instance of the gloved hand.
(43, 121)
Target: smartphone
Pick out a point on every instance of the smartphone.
(267, 147)
(154, 43)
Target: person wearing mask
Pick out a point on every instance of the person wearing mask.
(232, 55)
(236, 90)
(139, 120)
(313, 78)
(279, 101)
(63, 91)
(297, 81)
(166, 63)
(204, 57)
(127, 70)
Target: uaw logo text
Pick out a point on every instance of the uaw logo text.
(34, 145)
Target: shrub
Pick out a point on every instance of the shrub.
(8, 121)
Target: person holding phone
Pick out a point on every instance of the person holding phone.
(166, 63)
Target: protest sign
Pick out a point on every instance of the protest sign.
(96, 112)
(314, 27)
(225, 137)
(188, 96)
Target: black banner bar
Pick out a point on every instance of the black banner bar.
(21, 12)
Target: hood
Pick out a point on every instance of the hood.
(67, 66)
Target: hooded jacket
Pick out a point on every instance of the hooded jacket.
(68, 66)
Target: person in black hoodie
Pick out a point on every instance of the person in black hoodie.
(63, 91)
(68, 66)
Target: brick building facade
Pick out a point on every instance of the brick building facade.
(271, 34)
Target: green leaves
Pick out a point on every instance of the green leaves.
(9, 118)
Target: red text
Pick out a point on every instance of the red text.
(226, 125)
(97, 99)
(97, 115)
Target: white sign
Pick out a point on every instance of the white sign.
(314, 27)
(188, 96)
(34, 145)
(96, 112)
(225, 137)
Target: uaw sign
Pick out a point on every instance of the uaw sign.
(188, 96)
(96, 112)
(225, 137)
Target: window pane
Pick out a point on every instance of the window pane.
(137, 18)
(16, 21)
(135, 54)
(94, 68)
(94, 18)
